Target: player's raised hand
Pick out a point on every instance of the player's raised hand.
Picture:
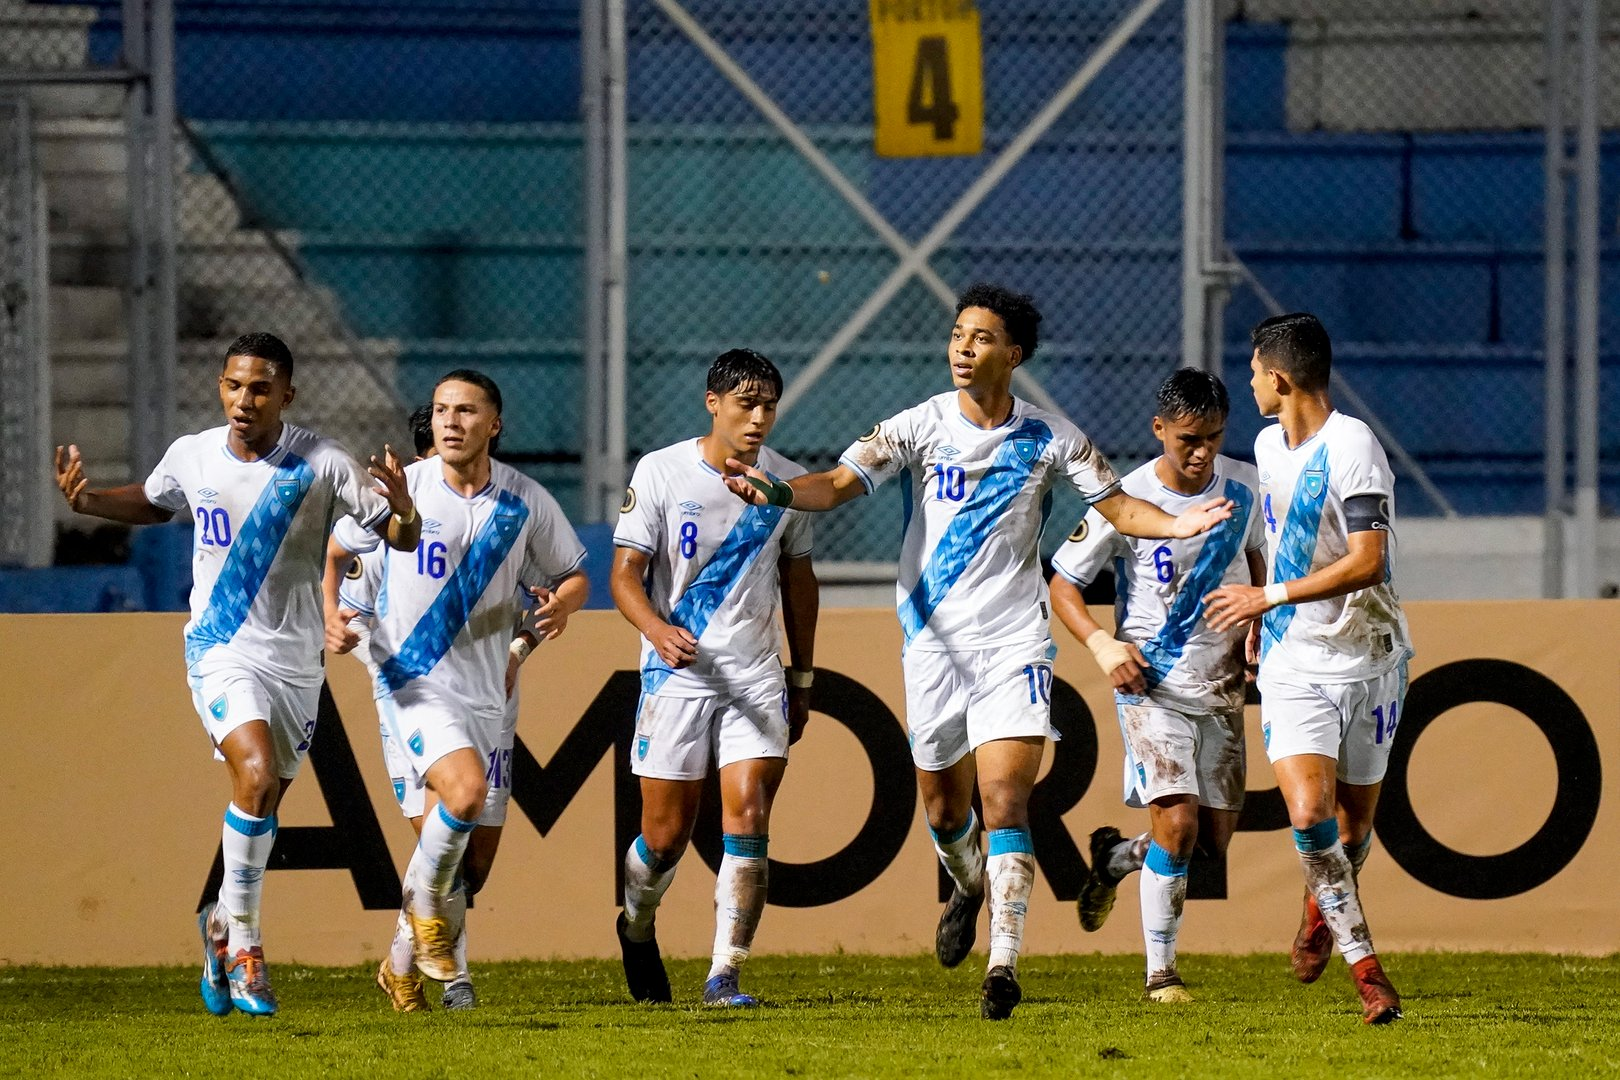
(1234, 605)
(390, 476)
(674, 646)
(747, 483)
(70, 476)
(1203, 518)
(550, 614)
(340, 636)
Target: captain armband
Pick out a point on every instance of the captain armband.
(1363, 513)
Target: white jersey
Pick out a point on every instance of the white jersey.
(259, 542)
(445, 611)
(1161, 584)
(1303, 490)
(976, 501)
(713, 566)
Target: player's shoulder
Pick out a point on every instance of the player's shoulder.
(1061, 427)
(1344, 432)
(1241, 471)
(1269, 440)
(189, 447)
(1143, 483)
(779, 464)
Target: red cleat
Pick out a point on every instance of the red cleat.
(1313, 945)
(1380, 1004)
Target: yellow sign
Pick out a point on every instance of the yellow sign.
(927, 90)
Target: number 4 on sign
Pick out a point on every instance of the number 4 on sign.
(927, 90)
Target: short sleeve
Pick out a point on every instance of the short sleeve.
(1255, 538)
(162, 488)
(641, 517)
(884, 451)
(798, 535)
(553, 550)
(350, 535)
(1085, 468)
(1359, 466)
(1088, 550)
(358, 590)
(352, 489)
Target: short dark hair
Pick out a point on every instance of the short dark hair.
(266, 347)
(742, 367)
(1297, 344)
(484, 383)
(1194, 393)
(1016, 310)
(422, 428)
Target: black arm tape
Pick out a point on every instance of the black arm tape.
(1363, 513)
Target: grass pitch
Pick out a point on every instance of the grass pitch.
(1466, 1015)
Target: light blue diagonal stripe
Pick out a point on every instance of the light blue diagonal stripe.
(1220, 548)
(724, 571)
(434, 632)
(251, 554)
(1296, 547)
(971, 527)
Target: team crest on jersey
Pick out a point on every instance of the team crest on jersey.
(690, 507)
(1315, 481)
(208, 494)
(219, 707)
(399, 789)
(507, 525)
(870, 435)
(629, 503)
(1025, 449)
(287, 492)
(1080, 531)
(415, 742)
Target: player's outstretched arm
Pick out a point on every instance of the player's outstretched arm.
(813, 491)
(801, 606)
(675, 646)
(1121, 661)
(405, 527)
(128, 503)
(1361, 567)
(553, 606)
(1137, 517)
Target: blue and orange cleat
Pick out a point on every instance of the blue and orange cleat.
(216, 993)
(249, 978)
(721, 991)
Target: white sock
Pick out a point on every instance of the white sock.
(1010, 870)
(739, 897)
(959, 854)
(1127, 856)
(437, 861)
(1163, 894)
(245, 843)
(646, 877)
(456, 912)
(402, 950)
(1358, 855)
(1329, 876)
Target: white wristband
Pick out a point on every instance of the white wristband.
(406, 519)
(1109, 651)
(520, 649)
(799, 680)
(1277, 594)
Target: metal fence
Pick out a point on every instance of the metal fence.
(761, 214)
(25, 387)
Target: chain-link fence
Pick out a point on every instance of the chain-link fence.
(736, 238)
(1385, 169)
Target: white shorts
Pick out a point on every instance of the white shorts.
(410, 788)
(958, 701)
(427, 726)
(678, 737)
(1171, 752)
(228, 694)
(1354, 723)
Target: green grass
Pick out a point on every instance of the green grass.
(1466, 1015)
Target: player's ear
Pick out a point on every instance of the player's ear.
(287, 398)
(495, 428)
(711, 401)
(1018, 355)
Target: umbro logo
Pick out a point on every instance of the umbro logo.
(208, 494)
(948, 452)
(691, 507)
(430, 526)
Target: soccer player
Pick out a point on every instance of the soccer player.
(441, 642)
(1332, 638)
(1178, 684)
(699, 574)
(977, 465)
(352, 583)
(264, 493)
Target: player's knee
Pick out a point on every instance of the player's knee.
(1006, 805)
(255, 785)
(464, 800)
(1178, 838)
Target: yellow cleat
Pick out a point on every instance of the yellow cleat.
(434, 946)
(1170, 994)
(404, 991)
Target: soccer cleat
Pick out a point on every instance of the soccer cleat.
(404, 991)
(460, 995)
(216, 991)
(643, 966)
(958, 925)
(721, 991)
(1000, 993)
(434, 945)
(1168, 990)
(249, 979)
(1097, 894)
(1313, 945)
(1380, 1004)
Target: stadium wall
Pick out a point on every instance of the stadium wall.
(1496, 831)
